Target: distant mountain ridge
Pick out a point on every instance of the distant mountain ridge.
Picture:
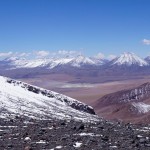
(127, 64)
(127, 58)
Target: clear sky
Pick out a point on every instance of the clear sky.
(89, 26)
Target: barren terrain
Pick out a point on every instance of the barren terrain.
(86, 92)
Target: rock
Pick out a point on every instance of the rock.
(63, 123)
(148, 145)
(142, 140)
(138, 136)
(28, 148)
(10, 146)
(80, 127)
(27, 139)
(101, 127)
(105, 138)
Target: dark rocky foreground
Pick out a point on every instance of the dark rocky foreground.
(21, 134)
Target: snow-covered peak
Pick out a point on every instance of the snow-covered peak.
(81, 60)
(60, 61)
(12, 59)
(15, 62)
(147, 59)
(49, 63)
(18, 98)
(128, 58)
(37, 63)
(98, 60)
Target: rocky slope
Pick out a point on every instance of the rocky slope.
(18, 98)
(132, 104)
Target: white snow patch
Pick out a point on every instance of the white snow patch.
(8, 126)
(77, 144)
(141, 107)
(41, 142)
(147, 128)
(139, 136)
(58, 147)
(88, 134)
(113, 146)
(142, 130)
(27, 139)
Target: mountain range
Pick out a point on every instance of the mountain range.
(88, 69)
(126, 59)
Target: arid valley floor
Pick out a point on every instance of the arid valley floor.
(88, 93)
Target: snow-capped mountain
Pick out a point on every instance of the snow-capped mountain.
(60, 61)
(127, 64)
(81, 61)
(37, 63)
(15, 62)
(147, 59)
(18, 98)
(47, 63)
(129, 59)
(50, 63)
(11, 59)
(99, 61)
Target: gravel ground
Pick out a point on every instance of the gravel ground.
(30, 134)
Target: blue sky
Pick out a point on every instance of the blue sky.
(89, 26)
